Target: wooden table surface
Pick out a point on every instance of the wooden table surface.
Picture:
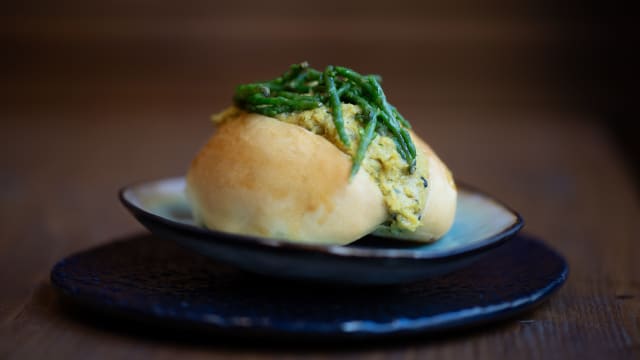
(96, 97)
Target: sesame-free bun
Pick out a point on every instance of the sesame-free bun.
(260, 176)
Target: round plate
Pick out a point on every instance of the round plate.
(480, 224)
(160, 285)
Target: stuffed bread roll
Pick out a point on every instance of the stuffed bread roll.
(322, 158)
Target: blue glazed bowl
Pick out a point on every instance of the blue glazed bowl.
(481, 223)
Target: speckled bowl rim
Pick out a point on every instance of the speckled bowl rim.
(341, 251)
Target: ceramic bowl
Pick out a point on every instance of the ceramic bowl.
(481, 224)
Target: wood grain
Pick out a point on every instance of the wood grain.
(96, 97)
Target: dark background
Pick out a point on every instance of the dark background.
(467, 54)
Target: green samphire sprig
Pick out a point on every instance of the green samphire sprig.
(304, 88)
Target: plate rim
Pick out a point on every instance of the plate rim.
(488, 313)
(340, 251)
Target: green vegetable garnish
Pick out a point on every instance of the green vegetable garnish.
(304, 88)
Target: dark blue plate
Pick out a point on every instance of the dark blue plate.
(154, 281)
(481, 223)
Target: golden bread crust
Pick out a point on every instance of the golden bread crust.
(260, 176)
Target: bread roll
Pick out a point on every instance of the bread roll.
(261, 176)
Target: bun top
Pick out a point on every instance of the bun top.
(260, 176)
